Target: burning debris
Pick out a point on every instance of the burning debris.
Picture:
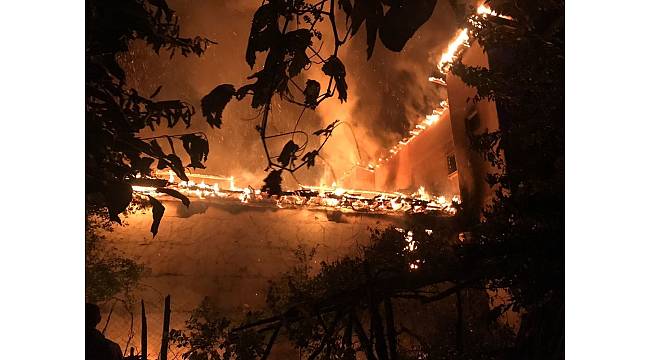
(312, 197)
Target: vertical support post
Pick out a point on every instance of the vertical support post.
(165, 334)
(143, 332)
(391, 334)
(459, 322)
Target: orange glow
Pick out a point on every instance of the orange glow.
(461, 40)
(454, 51)
(349, 199)
(315, 197)
(483, 10)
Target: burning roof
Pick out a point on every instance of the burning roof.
(310, 197)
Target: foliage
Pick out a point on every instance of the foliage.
(291, 34)
(527, 82)
(115, 114)
(522, 233)
(207, 337)
(108, 272)
(365, 303)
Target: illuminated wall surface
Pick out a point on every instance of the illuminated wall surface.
(469, 117)
(422, 163)
(224, 250)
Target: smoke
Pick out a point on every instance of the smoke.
(388, 94)
(394, 87)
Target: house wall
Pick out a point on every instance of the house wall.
(472, 168)
(423, 162)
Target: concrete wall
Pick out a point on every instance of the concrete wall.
(224, 250)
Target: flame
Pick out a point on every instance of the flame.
(350, 200)
(484, 11)
(145, 190)
(453, 50)
(317, 197)
(423, 194)
(245, 195)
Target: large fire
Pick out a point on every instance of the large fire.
(457, 45)
(460, 41)
(337, 198)
(313, 197)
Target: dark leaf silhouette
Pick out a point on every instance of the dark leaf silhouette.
(335, 68)
(328, 130)
(171, 110)
(312, 90)
(176, 194)
(158, 210)
(272, 78)
(156, 149)
(155, 93)
(300, 61)
(310, 158)
(212, 105)
(273, 183)
(346, 5)
(197, 147)
(111, 65)
(142, 165)
(118, 196)
(401, 22)
(174, 163)
(288, 153)
(362, 10)
(373, 21)
(264, 31)
(297, 40)
(162, 164)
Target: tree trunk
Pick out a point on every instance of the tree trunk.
(165, 333)
(267, 351)
(390, 328)
(377, 328)
(459, 322)
(365, 342)
(143, 334)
